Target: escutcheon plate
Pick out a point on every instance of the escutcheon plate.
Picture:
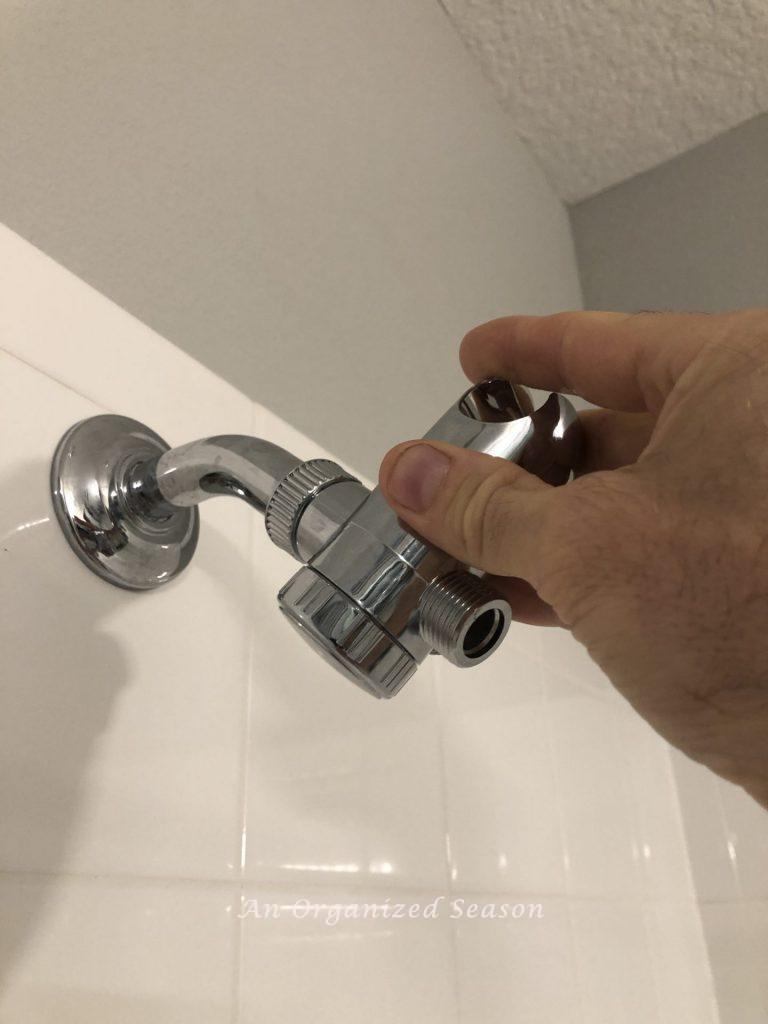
(88, 486)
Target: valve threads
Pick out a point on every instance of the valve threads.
(463, 618)
(293, 494)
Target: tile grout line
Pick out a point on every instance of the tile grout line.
(447, 850)
(317, 889)
(49, 376)
(245, 747)
(697, 902)
(547, 704)
(733, 860)
(352, 890)
(638, 820)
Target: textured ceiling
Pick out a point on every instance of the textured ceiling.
(604, 89)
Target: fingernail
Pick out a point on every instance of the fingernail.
(417, 476)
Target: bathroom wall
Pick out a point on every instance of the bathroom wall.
(314, 200)
(189, 794)
(689, 234)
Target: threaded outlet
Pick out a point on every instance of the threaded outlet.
(463, 618)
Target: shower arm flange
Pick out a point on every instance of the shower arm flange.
(128, 503)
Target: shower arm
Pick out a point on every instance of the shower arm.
(371, 597)
(247, 467)
(267, 477)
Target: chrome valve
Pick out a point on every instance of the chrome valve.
(371, 597)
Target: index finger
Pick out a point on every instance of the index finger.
(628, 362)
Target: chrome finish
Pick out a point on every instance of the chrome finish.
(293, 494)
(545, 442)
(247, 467)
(326, 514)
(497, 401)
(373, 598)
(462, 618)
(344, 634)
(90, 484)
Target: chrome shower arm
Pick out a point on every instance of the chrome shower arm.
(304, 503)
(247, 467)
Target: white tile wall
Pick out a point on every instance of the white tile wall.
(599, 821)
(341, 788)
(737, 940)
(502, 799)
(727, 840)
(713, 855)
(76, 950)
(746, 827)
(165, 758)
(614, 962)
(680, 964)
(517, 968)
(115, 707)
(334, 954)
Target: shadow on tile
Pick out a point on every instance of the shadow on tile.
(62, 674)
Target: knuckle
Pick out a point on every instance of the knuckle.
(479, 517)
(569, 326)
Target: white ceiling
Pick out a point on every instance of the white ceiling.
(604, 89)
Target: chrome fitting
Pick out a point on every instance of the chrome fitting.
(292, 496)
(463, 618)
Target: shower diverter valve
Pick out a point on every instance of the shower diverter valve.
(372, 598)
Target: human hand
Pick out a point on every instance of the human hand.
(656, 556)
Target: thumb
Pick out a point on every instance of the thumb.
(485, 511)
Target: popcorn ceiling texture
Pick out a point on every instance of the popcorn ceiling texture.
(604, 89)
